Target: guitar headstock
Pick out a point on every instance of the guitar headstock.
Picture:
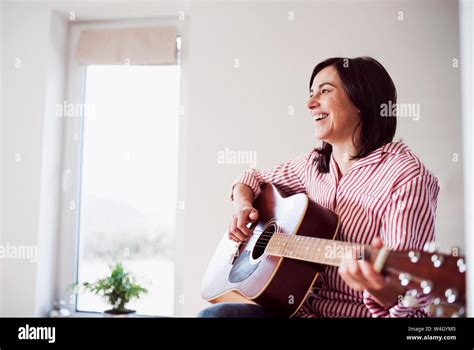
(429, 272)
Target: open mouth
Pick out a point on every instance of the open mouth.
(319, 117)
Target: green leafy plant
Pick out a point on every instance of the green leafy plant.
(118, 288)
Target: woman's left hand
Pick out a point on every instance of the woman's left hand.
(360, 274)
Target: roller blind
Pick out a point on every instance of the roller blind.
(135, 46)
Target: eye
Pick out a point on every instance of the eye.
(324, 91)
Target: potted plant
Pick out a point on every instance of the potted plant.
(118, 288)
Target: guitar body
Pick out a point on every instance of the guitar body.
(244, 273)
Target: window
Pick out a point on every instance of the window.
(129, 180)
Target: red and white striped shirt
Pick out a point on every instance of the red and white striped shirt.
(389, 193)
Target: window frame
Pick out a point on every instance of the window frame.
(71, 166)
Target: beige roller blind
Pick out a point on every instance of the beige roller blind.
(135, 46)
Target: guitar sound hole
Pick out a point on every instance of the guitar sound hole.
(262, 242)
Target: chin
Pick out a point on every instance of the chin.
(321, 136)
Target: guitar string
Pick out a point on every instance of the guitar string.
(268, 236)
(298, 244)
(314, 254)
(263, 243)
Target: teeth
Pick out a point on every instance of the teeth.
(320, 116)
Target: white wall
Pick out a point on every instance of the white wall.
(31, 129)
(243, 108)
(26, 37)
(1, 145)
(48, 226)
(467, 45)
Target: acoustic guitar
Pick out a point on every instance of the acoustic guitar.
(293, 240)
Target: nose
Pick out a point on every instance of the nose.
(313, 102)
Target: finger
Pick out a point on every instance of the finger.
(242, 221)
(354, 270)
(373, 279)
(343, 272)
(240, 236)
(253, 214)
(377, 242)
(354, 273)
(235, 230)
(233, 238)
(230, 235)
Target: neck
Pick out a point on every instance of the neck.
(317, 250)
(342, 153)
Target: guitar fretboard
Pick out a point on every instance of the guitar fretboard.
(317, 250)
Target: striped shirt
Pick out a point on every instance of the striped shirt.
(389, 193)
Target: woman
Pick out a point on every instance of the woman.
(381, 191)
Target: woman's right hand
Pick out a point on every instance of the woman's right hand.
(244, 213)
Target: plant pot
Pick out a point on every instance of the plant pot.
(119, 313)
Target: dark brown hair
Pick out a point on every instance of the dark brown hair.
(369, 87)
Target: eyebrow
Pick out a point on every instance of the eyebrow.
(321, 85)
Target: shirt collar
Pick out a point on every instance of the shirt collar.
(372, 158)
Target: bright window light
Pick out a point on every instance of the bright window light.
(129, 181)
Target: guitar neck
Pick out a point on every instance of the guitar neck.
(316, 250)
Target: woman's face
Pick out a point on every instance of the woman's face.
(334, 115)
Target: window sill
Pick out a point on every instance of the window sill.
(87, 314)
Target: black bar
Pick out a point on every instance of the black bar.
(137, 332)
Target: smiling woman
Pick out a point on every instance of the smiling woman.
(351, 92)
(381, 192)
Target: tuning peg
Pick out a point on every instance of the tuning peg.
(414, 256)
(426, 286)
(404, 278)
(410, 301)
(461, 265)
(451, 295)
(430, 247)
(436, 301)
(437, 260)
(459, 313)
(439, 311)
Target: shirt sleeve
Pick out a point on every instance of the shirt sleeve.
(289, 177)
(408, 224)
